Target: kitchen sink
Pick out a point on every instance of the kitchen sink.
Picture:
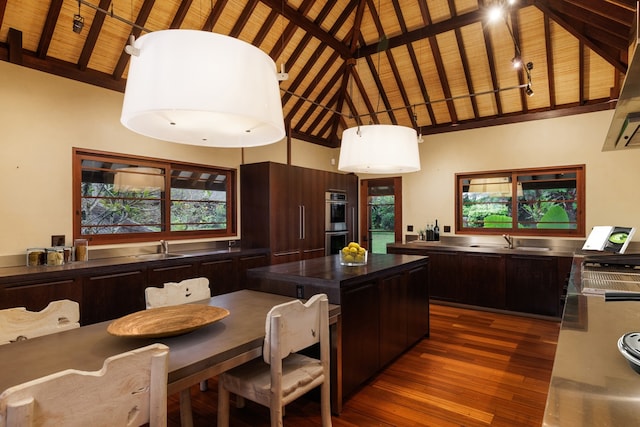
(158, 256)
(532, 248)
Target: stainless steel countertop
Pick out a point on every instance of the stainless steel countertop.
(592, 384)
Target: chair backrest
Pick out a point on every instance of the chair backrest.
(172, 293)
(129, 390)
(300, 326)
(18, 323)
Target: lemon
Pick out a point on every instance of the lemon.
(353, 245)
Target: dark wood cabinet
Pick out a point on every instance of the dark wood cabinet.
(283, 208)
(535, 283)
(444, 281)
(108, 290)
(36, 295)
(171, 271)
(360, 335)
(111, 295)
(221, 273)
(384, 305)
(418, 289)
(483, 279)
(393, 317)
(523, 283)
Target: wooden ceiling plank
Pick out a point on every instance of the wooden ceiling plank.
(543, 5)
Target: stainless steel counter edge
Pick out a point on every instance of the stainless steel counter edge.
(422, 246)
(24, 273)
(591, 383)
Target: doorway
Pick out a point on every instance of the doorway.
(380, 213)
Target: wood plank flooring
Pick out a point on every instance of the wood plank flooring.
(476, 369)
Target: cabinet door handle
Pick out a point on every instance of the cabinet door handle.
(302, 222)
(353, 223)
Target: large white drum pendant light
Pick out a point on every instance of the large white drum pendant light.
(379, 149)
(201, 88)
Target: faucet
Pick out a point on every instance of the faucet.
(509, 240)
(164, 245)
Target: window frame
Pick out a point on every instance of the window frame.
(579, 231)
(80, 154)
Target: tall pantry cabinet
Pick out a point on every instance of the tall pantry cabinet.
(283, 208)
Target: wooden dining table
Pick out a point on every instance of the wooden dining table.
(193, 357)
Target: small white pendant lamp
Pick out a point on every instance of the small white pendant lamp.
(201, 88)
(379, 149)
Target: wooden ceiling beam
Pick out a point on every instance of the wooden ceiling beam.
(92, 37)
(465, 65)
(49, 27)
(551, 75)
(545, 7)
(442, 74)
(436, 28)
(310, 27)
(141, 20)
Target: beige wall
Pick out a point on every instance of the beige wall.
(611, 177)
(42, 117)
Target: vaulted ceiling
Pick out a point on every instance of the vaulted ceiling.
(434, 65)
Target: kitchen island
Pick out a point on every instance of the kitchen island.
(384, 305)
(591, 383)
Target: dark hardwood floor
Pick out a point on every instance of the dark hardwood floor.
(476, 369)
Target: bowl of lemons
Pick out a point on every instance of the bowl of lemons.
(353, 254)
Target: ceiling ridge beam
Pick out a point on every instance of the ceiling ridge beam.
(310, 27)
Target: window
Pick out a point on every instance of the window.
(547, 202)
(120, 198)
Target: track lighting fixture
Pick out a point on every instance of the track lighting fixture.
(516, 62)
(130, 48)
(528, 90)
(78, 21)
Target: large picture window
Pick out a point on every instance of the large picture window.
(548, 201)
(119, 198)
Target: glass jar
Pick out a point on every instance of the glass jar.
(55, 255)
(81, 249)
(36, 256)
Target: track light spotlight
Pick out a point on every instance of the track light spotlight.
(516, 62)
(528, 90)
(78, 21)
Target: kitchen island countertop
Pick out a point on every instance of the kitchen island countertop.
(327, 274)
(592, 384)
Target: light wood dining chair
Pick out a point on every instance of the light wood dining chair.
(18, 323)
(129, 390)
(283, 375)
(172, 293)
